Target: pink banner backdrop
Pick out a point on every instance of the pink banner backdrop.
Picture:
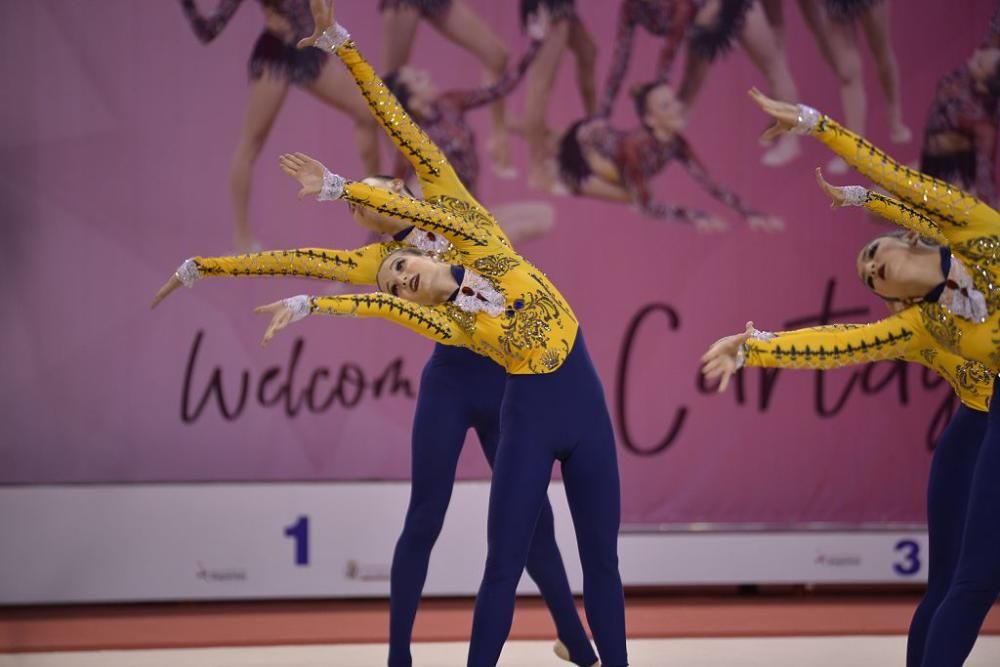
(117, 131)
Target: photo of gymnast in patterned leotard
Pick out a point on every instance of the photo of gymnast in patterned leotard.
(960, 137)
(603, 162)
(458, 23)
(442, 117)
(275, 63)
(710, 28)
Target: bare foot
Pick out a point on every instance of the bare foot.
(837, 166)
(900, 134)
(786, 149)
(542, 176)
(244, 242)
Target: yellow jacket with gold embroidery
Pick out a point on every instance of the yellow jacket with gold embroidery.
(537, 329)
(938, 211)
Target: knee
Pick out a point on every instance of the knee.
(984, 589)
(586, 54)
(497, 58)
(365, 124)
(253, 142)
(848, 70)
(422, 526)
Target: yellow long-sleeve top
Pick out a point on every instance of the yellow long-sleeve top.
(535, 330)
(358, 266)
(941, 212)
(949, 206)
(901, 336)
(438, 180)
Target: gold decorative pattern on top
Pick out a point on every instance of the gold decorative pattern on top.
(465, 210)
(528, 326)
(981, 250)
(465, 320)
(972, 374)
(495, 266)
(941, 325)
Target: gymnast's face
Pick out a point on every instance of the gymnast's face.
(984, 63)
(418, 82)
(882, 262)
(373, 220)
(411, 275)
(664, 111)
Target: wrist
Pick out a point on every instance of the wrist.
(807, 120)
(300, 305)
(188, 272)
(333, 186)
(853, 195)
(333, 38)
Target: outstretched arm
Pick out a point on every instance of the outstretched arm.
(505, 85)
(882, 206)
(430, 322)
(349, 266)
(696, 169)
(429, 162)
(636, 181)
(831, 346)
(952, 207)
(207, 28)
(468, 226)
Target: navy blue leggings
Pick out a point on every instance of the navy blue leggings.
(459, 390)
(544, 418)
(975, 584)
(947, 500)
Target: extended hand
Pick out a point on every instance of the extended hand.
(835, 194)
(785, 115)
(173, 283)
(720, 360)
(710, 224)
(765, 223)
(281, 317)
(322, 11)
(307, 171)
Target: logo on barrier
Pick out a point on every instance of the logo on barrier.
(366, 571)
(220, 575)
(838, 560)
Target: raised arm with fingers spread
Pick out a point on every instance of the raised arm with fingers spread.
(883, 206)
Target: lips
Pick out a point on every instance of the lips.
(414, 283)
(881, 272)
